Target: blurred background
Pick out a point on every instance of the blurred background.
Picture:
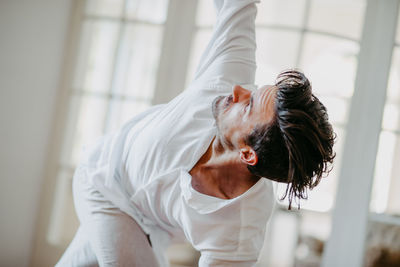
(72, 70)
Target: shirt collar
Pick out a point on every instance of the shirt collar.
(205, 204)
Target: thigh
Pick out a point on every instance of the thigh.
(117, 240)
(115, 237)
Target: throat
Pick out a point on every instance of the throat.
(225, 182)
(220, 173)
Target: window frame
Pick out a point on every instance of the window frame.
(340, 250)
(169, 83)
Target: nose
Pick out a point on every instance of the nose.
(239, 93)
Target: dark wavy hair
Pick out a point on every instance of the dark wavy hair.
(296, 147)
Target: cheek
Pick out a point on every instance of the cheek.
(232, 121)
(229, 121)
(233, 114)
(232, 128)
(239, 130)
(236, 137)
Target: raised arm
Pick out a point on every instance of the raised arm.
(230, 55)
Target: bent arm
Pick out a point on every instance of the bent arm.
(230, 55)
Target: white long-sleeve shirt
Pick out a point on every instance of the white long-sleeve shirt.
(144, 168)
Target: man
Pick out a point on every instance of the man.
(192, 168)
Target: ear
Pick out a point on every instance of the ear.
(248, 156)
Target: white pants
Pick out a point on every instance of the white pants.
(107, 236)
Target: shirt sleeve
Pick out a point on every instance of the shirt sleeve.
(230, 55)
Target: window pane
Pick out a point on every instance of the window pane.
(393, 203)
(109, 8)
(398, 30)
(152, 11)
(386, 187)
(391, 117)
(314, 231)
(199, 44)
(123, 110)
(95, 56)
(338, 108)
(280, 246)
(206, 16)
(275, 12)
(393, 90)
(386, 171)
(330, 64)
(340, 17)
(276, 50)
(63, 221)
(89, 125)
(137, 61)
(281, 12)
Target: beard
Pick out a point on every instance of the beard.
(219, 105)
(215, 106)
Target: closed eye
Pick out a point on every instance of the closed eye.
(250, 104)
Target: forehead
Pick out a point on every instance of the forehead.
(264, 99)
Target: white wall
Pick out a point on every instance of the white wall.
(32, 40)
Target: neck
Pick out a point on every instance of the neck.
(220, 173)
